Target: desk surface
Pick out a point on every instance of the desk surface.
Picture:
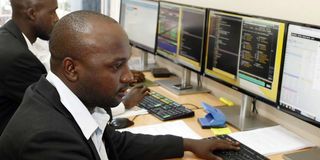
(194, 99)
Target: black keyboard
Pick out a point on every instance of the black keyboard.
(164, 108)
(245, 153)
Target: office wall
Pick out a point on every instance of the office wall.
(304, 11)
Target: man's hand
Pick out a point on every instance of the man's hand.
(203, 148)
(138, 76)
(135, 95)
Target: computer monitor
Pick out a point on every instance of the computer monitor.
(181, 34)
(245, 53)
(181, 39)
(139, 19)
(300, 89)
(192, 37)
(300, 79)
(168, 26)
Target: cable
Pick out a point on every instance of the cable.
(199, 80)
(189, 104)
(135, 117)
(254, 107)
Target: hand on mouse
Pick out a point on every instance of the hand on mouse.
(119, 123)
(203, 148)
(135, 95)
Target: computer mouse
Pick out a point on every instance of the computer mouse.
(119, 123)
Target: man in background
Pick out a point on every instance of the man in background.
(19, 67)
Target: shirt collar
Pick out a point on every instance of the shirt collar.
(40, 49)
(87, 122)
(101, 117)
(27, 40)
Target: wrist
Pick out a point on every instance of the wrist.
(187, 144)
(126, 104)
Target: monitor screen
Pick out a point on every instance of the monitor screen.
(245, 53)
(191, 37)
(300, 87)
(181, 34)
(168, 25)
(139, 19)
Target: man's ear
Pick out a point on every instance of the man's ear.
(31, 14)
(69, 69)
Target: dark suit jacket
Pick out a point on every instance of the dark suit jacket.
(18, 69)
(43, 129)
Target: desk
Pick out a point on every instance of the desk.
(192, 122)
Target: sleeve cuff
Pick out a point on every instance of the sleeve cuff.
(118, 110)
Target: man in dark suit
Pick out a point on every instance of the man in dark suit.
(58, 117)
(19, 67)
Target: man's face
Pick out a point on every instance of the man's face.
(104, 75)
(46, 17)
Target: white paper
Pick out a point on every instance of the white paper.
(177, 128)
(132, 112)
(271, 140)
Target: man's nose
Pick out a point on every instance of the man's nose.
(127, 75)
(56, 18)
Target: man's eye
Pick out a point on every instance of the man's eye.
(117, 65)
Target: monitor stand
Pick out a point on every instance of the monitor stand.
(139, 60)
(310, 154)
(182, 86)
(243, 117)
(144, 65)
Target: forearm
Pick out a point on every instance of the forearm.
(138, 146)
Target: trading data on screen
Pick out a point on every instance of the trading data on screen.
(192, 35)
(167, 43)
(245, 52)
(300, 89)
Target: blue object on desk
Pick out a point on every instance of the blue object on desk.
(213, 118)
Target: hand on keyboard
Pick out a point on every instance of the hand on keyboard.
(245, 153)
(135, 95)
(204, 148)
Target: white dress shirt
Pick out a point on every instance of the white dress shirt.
(28, 42)
(92, 126)
(40, 50)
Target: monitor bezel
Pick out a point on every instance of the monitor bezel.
(243, 90)
(285, 109)
(136, 44)
(202, 56)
